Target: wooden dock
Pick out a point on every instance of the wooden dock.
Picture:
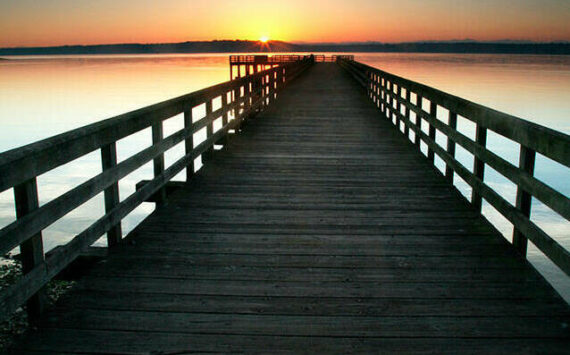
(318, 229)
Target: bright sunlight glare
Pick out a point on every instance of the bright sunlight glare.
(264, 39)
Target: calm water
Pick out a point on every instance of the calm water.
(43, 96)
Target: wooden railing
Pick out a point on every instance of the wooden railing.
(397, 98)
(20, 167)
(286, 58)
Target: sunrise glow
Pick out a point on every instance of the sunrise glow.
(49, 23)
(264, 39)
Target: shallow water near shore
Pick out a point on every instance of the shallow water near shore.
(44, 96)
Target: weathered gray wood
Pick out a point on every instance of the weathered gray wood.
(108, 161)
(524, 199)
(33, 222)
(433, 113)
(32, 251)
(551, 143)
(189, 143)
(318, 229)
(419, 103)
(26, 162)
(407, 114)
(550, 247)
(452, 123)
(209, 132)
(478, 165)
(552, 198)
(158, 161)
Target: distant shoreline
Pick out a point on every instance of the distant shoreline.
(561, 48)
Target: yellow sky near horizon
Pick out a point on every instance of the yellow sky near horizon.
(60, 22)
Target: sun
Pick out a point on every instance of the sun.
(264, 39)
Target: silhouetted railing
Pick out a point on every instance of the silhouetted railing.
(402, 101)
(20, 167)
(242, 65)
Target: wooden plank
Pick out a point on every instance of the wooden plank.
(127, 342)
(339, 306)
(190, 323)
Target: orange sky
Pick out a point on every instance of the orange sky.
(58, 22)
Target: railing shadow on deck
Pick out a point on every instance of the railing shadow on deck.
(402, 102)
(20, 167)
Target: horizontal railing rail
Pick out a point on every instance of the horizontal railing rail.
(394, 96)
(20, 167)
(286, 58)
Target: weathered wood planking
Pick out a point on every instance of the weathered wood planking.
(317, 229)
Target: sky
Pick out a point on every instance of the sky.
(61, 22)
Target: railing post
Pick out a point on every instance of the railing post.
(109, 160)
(419, 102)
(236, 97)
(189, 143)
(524, 199)
(158, 163)
(399, 106)
(479, 165)
(407, 114)
(390, 98)
(433, 114)
(383, 96)
(32, 252)
(452, 123)
(207, 155)
(225, 109)
(224, 140)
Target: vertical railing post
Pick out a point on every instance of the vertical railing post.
(382, 96)
(419, 103)
(407, 114)
(224, 140)
(255, 87)
(225, 109)
(479, 165)
(109, 160)
(207, 155)
(32, 251)
(452, 123)
(189, 143)
(390, 87)
(369, 84)
(158, 162)
(236, 99)
(398, 106)
(524, 199)
(431, 131)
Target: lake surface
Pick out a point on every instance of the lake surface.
(43, 96)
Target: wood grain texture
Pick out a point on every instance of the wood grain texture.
(317, 229)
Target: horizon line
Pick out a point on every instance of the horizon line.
(303, 43)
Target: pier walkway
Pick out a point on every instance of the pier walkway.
(318, 229)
